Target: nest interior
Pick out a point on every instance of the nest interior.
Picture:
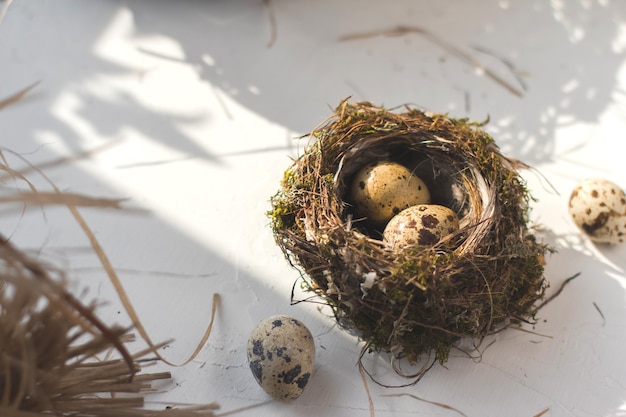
(418, 300)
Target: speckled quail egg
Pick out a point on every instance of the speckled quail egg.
(381, 190)
(598, 208)
(281, 354)
(422, 225)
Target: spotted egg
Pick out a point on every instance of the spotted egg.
(422, 225)
(281, 355)
(381, 190)
(598, 208)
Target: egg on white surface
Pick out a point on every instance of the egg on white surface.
(422, 225)
(281, 355)
(598, 208)
(381, 190)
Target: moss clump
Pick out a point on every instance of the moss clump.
(421, 299)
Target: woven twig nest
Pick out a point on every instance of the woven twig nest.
(419, 299)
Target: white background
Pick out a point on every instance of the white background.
(192, 118)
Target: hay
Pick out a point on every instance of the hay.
(423, 299)
(57, 357)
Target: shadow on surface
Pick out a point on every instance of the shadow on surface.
(565, 55)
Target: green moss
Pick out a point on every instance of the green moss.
(329, 179)
(282, 215)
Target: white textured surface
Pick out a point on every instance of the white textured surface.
(201, 115)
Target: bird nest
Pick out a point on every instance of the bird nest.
(419, 299)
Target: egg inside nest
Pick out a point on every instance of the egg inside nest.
(382, 189)
(422, 225)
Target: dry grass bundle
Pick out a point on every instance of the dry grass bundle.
(54, 349)
(421, 300)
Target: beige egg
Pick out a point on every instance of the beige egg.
(422, 225)
(281, 355)
(383, 189)
(598, 208)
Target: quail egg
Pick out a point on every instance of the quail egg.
(422, 225)
(381, 190)
(598, 208)
(281, 355)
